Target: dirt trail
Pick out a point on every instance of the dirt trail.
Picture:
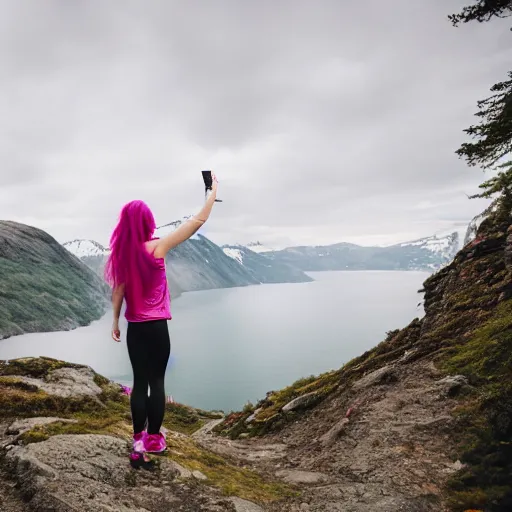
(389, 455)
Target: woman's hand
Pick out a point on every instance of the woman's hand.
(116, 333)
(215, 183)
(212, 195)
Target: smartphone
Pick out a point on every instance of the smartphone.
(208, 183)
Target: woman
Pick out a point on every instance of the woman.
(136, 271)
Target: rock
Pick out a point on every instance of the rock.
(199, 476)
(454, 467)
(452, 385)
(252, 417)
(24, 425)
(384, 375)
(440, 423)
(330, 437)
(300, 402)
(67, 382)
(91, 472)
(243, 435)
(295, 476)
(409, 355)
(245, 506)
(183, 472)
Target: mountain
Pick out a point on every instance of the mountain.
(42, 286)
(264, 269)
(429, 254)
(258, 247)
(199, 264)
(90, 252)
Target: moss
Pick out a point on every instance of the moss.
(485, 435)
(16, 383)
(101, 381)
(230, 479)
(16, 401)
(182, 418)
(37, 367)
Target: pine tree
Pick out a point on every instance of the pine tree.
(493, 134)
(483, 10)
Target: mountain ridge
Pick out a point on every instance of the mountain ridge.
(43, 287)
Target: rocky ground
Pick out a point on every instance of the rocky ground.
(382, 446)
(64, 446)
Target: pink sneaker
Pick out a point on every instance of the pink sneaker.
(155, 443)
(139, 440)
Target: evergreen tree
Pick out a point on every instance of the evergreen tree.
(483, 10)
(493, 134)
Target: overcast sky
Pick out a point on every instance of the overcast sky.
(325, 121)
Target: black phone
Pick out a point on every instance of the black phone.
(208, 183)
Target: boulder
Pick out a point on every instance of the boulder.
(92, 472)
(67, 383)
(450, 386)
(384, 375)
(295, 476)
(300, 402)
(24, 425)
(245, 506)
(330, 437)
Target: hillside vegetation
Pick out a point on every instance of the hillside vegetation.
(42, 286)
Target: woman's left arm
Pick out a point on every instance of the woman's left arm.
(117, 302)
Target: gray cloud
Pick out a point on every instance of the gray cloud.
(324, 121)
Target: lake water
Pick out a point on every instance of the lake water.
(233, 345)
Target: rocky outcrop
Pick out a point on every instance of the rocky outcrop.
(422, 422)
(90, 472)
(75, 457)
(44, 287)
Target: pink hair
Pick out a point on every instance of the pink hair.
(129, 262)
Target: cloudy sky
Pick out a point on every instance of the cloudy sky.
(325, 121)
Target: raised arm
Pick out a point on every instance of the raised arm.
(188, 228)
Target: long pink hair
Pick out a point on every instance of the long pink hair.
(129, 262)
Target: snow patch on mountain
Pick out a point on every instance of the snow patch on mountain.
(84, 248)
(165, 229)
(236, 254)
(258, 247)
(446, 246)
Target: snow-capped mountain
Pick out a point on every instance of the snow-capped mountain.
(84, 248)
(430, 254)
(446, 246)
(258, 247)
(200, 264)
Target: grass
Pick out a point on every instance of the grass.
(230, 479)
(485, 441)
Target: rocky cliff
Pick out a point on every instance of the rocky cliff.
(42, 286)
(423, 422)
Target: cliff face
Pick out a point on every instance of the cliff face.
(42, 286)
(425, 418)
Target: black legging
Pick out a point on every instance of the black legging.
(149, 347)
